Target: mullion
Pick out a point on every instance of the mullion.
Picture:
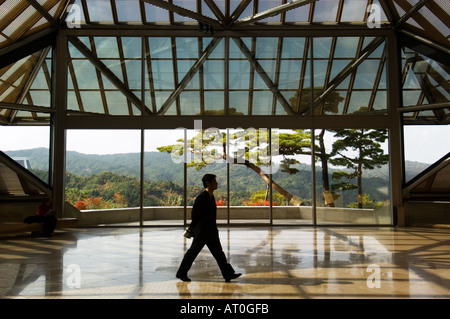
(303, 73)
(277, 73)
(99, 77)
(377, 79)
(352, 78)
(328, 74)
(124, 72)
(148, 59)
(201, 74)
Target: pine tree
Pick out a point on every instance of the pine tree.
(357, 149)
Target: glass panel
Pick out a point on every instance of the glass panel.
(190, 103)
(269, 4)
(325, 11)
(346, 47)
(207, 158)
(239, 71)
(214, 74)
(162, 75)
(262, 103)
(300, 14)
(238, 102)
(425, 80)
(117, 103)
(292, 197)
(103, 175)
(160, 48)
(15, 77)
(183, 68)
(156, 14)
(214, 103)
(29, 146)
(106, 47)
(354, 11)
(423, 147)
(187, 4)
(248, 188)
(266, 48)
(163, 178)
(352, 177)
(187, 48)
(85, 74)
(100, 10)
(92, 102)
(128, 11)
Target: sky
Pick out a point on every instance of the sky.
(424, 144)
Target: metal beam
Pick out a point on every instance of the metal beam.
(22, 107)
(372, 46)
(44, 12)
(425, 107)
(411, 12)
(189, 75)
(30, 80)
(184, 12)
(108, 74)
(255, 64)
(238, 11)
(272, 12)
(215, 9)
(22, 48)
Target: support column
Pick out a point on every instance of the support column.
(396, 132)
(58, 131)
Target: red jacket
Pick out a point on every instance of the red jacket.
(43, 209)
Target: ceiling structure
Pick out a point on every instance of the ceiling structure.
(229, 57)
(434, 182)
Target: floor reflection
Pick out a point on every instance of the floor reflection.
(277, 262)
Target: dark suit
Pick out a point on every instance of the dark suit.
(205, 232)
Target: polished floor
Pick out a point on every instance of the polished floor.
(276, 262)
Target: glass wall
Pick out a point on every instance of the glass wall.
(206, 157)
(103, 175)
(248, 161)
(292, 199)
(351, 169)
(163, 196)
(352, 177)
(29, 146)
(423, 147)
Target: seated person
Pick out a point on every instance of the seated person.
(46, 215)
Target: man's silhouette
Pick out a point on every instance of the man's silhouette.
(205, 232)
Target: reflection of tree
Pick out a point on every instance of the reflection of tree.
(303, 103)
(231, 111)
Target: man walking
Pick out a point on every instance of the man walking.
(205, 232)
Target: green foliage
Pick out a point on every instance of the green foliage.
(263, 195)
(367, 203)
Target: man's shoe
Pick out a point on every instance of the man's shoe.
(184, 278)
(233, 276)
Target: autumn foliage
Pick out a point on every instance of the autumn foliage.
(99, 203)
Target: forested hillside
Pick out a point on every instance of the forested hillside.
(114, 180)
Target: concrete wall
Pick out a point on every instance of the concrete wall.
(16, 210)
(324, 215)
(427, 212)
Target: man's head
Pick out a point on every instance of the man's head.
(208, 179)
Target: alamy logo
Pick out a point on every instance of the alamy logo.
(74, 279)
(374, 279)
(208, 146)
(374, 18)
(74, 17)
